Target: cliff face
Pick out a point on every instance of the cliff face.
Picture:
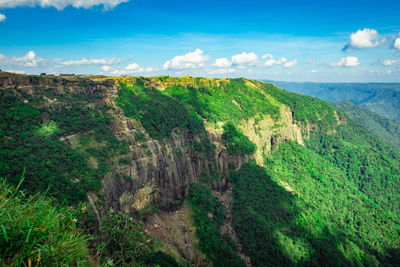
(160, 172)
(224, 172)
(156, 171)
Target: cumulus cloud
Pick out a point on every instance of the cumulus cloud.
(271, 61)
(133, 68)
(61, 4)
(106, 68)
(238, 60)
(396, 43)
(2, 17)
(366, 38)
(94, 61)
(391, 62)
(191, 60)
(243, 59)
(222, 63)
(290, 64)
(30, 60)
(222, 71)
(346, 62)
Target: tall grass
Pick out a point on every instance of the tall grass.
(36, 232)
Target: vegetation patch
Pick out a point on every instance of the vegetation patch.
(208, 215)
(35, 139)
(237, 142)
(33, 232)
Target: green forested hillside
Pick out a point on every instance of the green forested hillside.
(330, 199)
(388, 130)
(381, 98)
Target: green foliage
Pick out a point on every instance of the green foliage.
(381, 98)
(160, 114)
(127, 243)
(388, 130)
(304, 108)
(238, 143)
(124, 161)
(140, 137)
(31, 140)
(34, 232)
(307, 226)
(208, 215)
(233, 99)
(370, 164)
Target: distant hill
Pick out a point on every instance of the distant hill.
(389, 130)
(382, 98)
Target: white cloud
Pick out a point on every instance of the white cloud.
(379, 72)
(244, 58)
(15, 71)
(267, 56)
(2, 17)
(314, 71)
(396, 43)
(282, 61)
(192, 60)
(222, 71)
(366, 38)
(106, 68)
(133, 68)
(61, 4)
(346, 62)
(391, 62)
(29, 60)
(94, 61)
(222, 63)
(290, 64)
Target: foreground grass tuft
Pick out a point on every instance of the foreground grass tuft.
(34, 232)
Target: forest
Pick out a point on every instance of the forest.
(331, 200)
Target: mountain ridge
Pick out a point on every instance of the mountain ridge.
(156, 150)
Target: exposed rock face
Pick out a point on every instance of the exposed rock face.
(161, 171)
(158, 172)
(266, 132)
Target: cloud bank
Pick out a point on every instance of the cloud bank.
(61, 4)
(94, 61)
(30, 60)
(391, 62)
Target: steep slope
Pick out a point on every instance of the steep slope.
(309, 186)
(381, 98)
(388, 130)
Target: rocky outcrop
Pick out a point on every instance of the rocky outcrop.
(266, 132)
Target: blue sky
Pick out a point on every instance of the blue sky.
(322, 41)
